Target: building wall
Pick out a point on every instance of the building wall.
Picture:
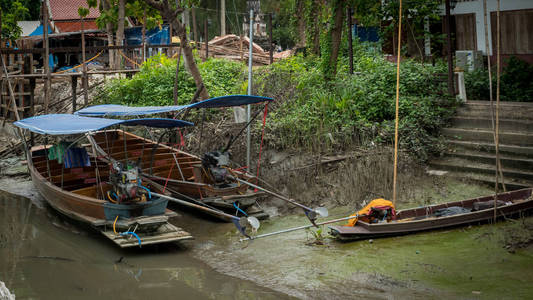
(476, 6)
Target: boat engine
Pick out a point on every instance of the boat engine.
(215, 163)
(126, 183)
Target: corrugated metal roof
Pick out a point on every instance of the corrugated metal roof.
(28, 26)
(68, 9)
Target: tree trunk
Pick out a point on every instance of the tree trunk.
(301, 24)
(110, 36)
(316, 11)
(172, 16)
(120, 28)
(336, 35)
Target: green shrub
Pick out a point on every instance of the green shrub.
(515, 82)
(154, 84)
(354, 108)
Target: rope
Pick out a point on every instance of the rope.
(114, 223)
(132, 233)
(261, 144)
(75, 67)
(128, 59)
(168, 178)
(239, 209)
(397, 106)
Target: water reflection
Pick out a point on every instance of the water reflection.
(44, 256)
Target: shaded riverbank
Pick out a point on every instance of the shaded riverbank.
(44, 256)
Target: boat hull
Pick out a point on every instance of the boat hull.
(91, 211)
(404, 225)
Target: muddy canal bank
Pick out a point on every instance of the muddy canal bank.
(45, 256)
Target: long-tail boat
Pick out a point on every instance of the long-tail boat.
(445, 215)
(207, 181)
(110, 197)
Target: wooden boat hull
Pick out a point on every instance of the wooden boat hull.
(364, 230)
(187, 182)
(89, 210)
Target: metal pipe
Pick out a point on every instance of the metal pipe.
(299, 228)
(248, 107)
(186, 203)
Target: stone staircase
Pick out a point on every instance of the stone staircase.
(471, 151)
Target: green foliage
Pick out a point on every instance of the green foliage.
(515, 82)
(12, 12)
(354, 108)
(154, 84)
(83, 12)
(310, 114)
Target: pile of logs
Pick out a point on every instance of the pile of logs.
(234, 47)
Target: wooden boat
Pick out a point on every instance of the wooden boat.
(181, 174)
(511, 204)
(79, 192)
(176, 172)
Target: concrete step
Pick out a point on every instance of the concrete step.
(464, 165)
(488, 147)
(507, 161)
(489, 180)
(486, 123)
(508, 110)
(480, 135)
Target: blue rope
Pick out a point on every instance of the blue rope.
(149, 193)
(132, 233)
(242, 211)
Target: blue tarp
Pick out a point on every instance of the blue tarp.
(366, 34)
(122, 110)
(63, 124)
(39, 30)
(154, 36)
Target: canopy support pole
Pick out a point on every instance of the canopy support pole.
(248, 107)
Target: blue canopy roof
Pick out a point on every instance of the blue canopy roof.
(122, 110)
(63, 124)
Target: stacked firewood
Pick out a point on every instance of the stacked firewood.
(233, 47)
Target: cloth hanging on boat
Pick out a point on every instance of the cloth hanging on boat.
(76, 158)
(56, 152)
(379, 203)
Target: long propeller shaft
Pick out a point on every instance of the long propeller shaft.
(299, 228)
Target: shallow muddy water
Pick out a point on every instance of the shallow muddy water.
(44, 256)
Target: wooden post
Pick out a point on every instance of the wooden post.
(350, 42)
(32, 88)
(206, 40)
(451, 89)
(74, 84)
(47, 85)
(84, 78)
(271, 48)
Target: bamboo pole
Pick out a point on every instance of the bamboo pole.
(498, 162)
(396, 122)
(497, 127)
